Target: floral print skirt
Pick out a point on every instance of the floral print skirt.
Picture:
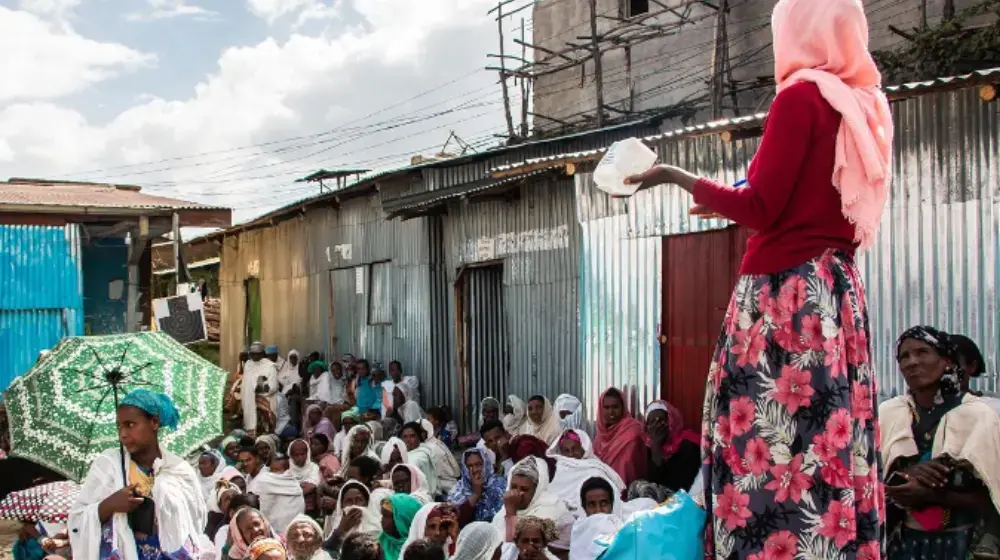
(789, 434)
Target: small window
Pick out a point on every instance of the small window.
(637, 7)
(380, 294)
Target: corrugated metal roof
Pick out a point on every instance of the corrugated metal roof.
(192, 266)
(41, 192)
(434, 198)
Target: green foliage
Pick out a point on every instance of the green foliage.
(967, 42)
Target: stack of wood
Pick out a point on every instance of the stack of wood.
(213, 318)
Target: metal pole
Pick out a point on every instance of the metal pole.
(503, 75)
(598, 74)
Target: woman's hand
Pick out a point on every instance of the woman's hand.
(511, 499)
(122, 501)
(663, 175)
(911, 495)
(350, 521)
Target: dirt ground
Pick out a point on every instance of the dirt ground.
(8, 534)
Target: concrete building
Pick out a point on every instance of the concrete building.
(662, 63)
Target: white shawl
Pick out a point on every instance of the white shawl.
(345, 452)
(325, 389)
(548, 429)
(180, 508)
(445, 465)
(571, 404)
(251, 372)
(280, 495)
(288, 375)
(307, 473)
(208, 482)
(545, 504)
(394, 443)
(419, 527)
(371, 517)
(422, 458)
(572, 473)
(969, 432)
(418, 483)
(516, 422)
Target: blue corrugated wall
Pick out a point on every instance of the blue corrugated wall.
(41, 297)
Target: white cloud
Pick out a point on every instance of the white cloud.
(169, 9)
(273, 10)
(43, 60)
(276, 90)
(54, 9)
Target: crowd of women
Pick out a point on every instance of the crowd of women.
(794, 459)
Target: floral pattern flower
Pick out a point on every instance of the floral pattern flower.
(789, 397)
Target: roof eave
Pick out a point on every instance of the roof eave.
(189, 217)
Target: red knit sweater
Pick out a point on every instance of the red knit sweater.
(789, 200)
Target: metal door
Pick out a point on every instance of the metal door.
(484, 357)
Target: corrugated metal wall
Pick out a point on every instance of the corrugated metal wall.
(937, 259)
(42, 296)
(300, 262)
(537, 239)
(485, 328)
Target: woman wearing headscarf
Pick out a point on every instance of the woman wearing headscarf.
(235, 477)
(601, 513)
(247, 527)
(530, 446)
(542, 421)
(414, 435)
(266, 448)
(528, 495)
(359, 443)
(796, 331)
(267, 549)
(348, 420)
(445, 465)
(569, 410)
(288, 373)
(210, 467)
(532, 537)
(398, 511)
(620, 438)
(324, 457)
(674, 452)
(940, 448)
(220, 510)
(515, 417)
(574, 455)
(156, 507)
(393, 453)
(304, 539)
(230, 449)
(479, 493)
(306, 472)
(478, 541)
(321, 384)
(437, 523)
(281, 494)
(407, 479)
(354, 513)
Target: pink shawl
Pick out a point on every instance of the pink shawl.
(621, 446)
(826, 43)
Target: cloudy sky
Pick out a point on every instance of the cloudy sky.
(229, 101)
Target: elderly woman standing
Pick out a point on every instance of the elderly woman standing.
(788, 410)
(156, 510)
(941, 448)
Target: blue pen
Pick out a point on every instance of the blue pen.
(740, 183)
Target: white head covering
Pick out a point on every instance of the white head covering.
(477, 541)
(307, 473)
(221, 487)
(572, 473)
(345, 452)
(574, 420)
(545, 503)
(548, 429)
(419, 489)
(419, 526)
(305, 519)
(411, 412)
(208, 482)
(515, 421)
(288, 375)
(371, 518)
(394, 443)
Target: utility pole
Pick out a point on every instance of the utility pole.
(525, 87)
(719, 57)
(503, 71)
(598, 75)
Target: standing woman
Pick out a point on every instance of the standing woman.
(789, 427)
(157, 510)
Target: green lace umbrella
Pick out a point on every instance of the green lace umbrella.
(62, 412)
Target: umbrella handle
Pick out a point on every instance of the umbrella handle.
(121, 447)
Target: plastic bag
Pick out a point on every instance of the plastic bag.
(673, 531)
(623, 159)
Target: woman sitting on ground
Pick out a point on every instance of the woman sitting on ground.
(574, 455)
(620, 438)
(532, 538)
(940, 450)
(543, 422)
(437, 523)
(247, 527)
(528, 494)
(407, 479)
(479, 493)
(674, 454)
(304, 538)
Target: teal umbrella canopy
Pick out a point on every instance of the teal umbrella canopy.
(62, 411)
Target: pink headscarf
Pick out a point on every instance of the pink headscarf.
(621, 446)
(826, 42)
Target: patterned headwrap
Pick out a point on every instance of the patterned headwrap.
(546, 527)
(527, 469)
(156, 404)
(260, 546)
(351, 413)
(941, 342)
